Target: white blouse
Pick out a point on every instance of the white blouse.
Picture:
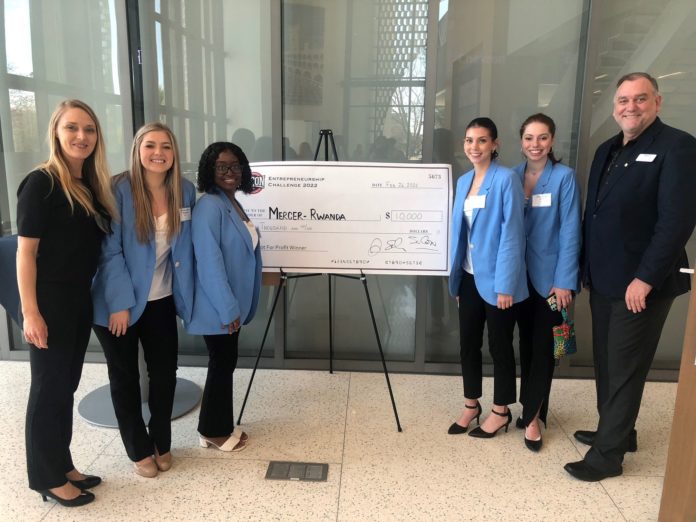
(161, 285)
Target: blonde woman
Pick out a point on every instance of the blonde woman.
(64, 208)
(144, 280)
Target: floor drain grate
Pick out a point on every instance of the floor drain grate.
(278, 470)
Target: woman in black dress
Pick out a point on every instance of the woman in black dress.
(64, 207)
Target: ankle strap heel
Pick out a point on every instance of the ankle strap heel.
(481, 434)
(476, 407)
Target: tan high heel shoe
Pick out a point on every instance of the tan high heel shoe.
(146, 468)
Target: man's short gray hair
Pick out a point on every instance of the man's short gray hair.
(630, 77)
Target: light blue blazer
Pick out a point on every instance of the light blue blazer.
(228, 268)
(553, 232)
(497, 236)
(126, 266)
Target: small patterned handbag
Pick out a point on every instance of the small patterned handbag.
(564, 337)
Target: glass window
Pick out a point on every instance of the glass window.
(56, 51)
(209, 82)
(18, 38)
(504, 60)
(357, 68)
(657, 37)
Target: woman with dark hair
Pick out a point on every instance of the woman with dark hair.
(552, 223)
(64, 208)
(487, 275)
(145, 279)
(228, 280)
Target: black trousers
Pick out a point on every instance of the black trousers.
(624, 346)
(156, 331)
(535, 321)
(217, 417)
(55, 375)
(474, 314)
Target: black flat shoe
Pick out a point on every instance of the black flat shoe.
(88, 482)
(587, 437)
(458, 429)
(479, 432)
(85, 497)
(581, 470)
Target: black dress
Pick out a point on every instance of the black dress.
(69, 248)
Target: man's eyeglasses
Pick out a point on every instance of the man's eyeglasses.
(222, 168)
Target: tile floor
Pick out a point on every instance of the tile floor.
(375, 473)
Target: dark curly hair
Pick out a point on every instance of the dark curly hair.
(206, 166)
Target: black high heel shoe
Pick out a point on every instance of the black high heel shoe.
(479, 433)
(88, 482)
(456, 429)
(533, 445)
(85, 497)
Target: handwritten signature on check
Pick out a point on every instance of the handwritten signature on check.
(402, 245)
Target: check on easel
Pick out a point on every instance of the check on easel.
(347, 217)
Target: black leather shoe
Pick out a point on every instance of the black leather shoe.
(581, 470)
(519, 424)
(88, 482)
(587, 437)
(457, 429)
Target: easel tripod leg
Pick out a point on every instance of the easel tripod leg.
(381, 353)
(330, 327)
(263, 342)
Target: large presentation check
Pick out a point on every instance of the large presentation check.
(347, 217)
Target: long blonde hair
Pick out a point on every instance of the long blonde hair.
(94, 169)
(142, 199)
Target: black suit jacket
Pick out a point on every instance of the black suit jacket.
(640, 223)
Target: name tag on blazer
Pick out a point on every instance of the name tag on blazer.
(646, 158)
(541, 200)
(185, 214)
(473, 202)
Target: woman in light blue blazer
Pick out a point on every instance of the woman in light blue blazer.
(228, 280)
(552, 224)
(144, 280)
(487, 274)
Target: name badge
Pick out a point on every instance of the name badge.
(646, 158)
(541, 200)
(185, 214)
(473, 202)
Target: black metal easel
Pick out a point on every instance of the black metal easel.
(325, 135)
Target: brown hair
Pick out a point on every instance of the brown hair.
(94, 169)
(142, 199)
(542, 118)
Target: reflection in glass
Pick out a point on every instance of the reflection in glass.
(368, 88)
(18, 38)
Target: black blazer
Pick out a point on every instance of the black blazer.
(640, 224)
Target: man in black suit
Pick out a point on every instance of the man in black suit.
(640, 212)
